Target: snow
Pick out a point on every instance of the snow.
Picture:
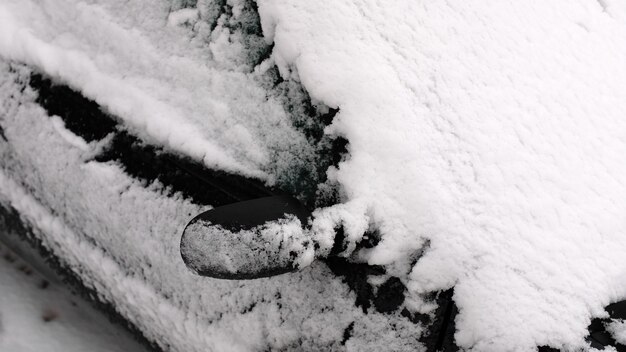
(494, 131)
(168, 93)
(37, 315)
(182, 16)
(69, 137)
(264, 248)
(617, 328)
(122, 237)
(486, 148)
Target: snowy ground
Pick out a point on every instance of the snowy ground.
(486, 148)
(37, 313)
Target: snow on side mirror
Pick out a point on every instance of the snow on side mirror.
(248, 240)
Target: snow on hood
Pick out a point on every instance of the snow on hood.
(494, 132)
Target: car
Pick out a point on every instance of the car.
(126, 125)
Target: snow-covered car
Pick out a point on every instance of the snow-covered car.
(460, 167)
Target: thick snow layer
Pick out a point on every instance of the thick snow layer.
(493, 131)
(617, 328)
(149, 75)
(36, 315)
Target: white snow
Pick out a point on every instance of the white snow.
(491, 133)
(37, 315)
(68, 136)
(171, 94)
(617, 328)
(493, 129)
(183, 16)
(261, 249)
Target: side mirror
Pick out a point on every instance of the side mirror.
(247, 240)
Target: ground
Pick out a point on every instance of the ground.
(38, 313)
